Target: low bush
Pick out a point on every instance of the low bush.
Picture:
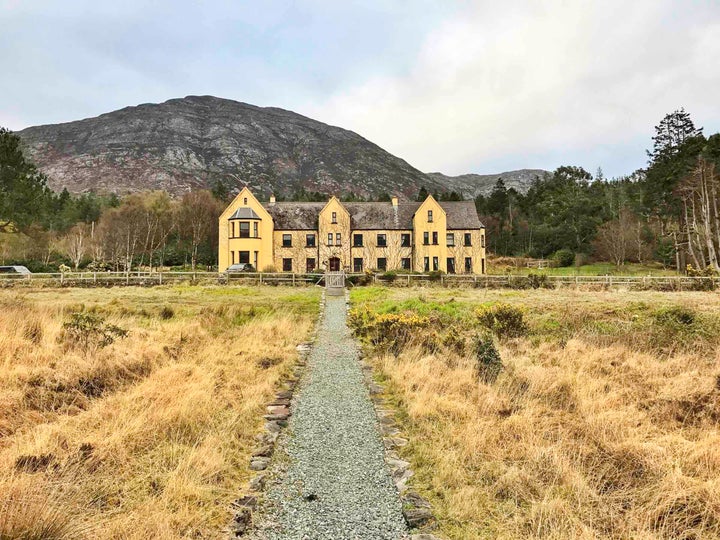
(537, 281)
(166, 313)
(503, 320)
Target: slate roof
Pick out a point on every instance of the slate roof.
(244, 213)
(370, 215)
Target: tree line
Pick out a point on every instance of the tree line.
(42, 230)
(667, 212)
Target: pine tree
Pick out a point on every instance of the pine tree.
(670, 134)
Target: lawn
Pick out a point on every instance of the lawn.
(148, 436)
(594, 269)
(601, 423)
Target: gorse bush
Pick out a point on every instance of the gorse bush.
(488, 363)
(88, 330)
(504, 320)
(391, 329)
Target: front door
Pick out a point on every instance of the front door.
(334, 264)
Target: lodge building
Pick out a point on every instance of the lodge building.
(352, 236)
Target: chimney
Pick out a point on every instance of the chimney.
(272, 199)
(395, 202)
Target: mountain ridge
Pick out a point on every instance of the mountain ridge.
(197, 141)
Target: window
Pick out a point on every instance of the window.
(381, 240)
(451, 265)
(482, 240)
(357, 240)
(232, 229)
(436, 264)
(483, 265)
(426, 264)
(310, 240)
(468, 264)
(330, 238)
(405, 263)
(430, 216)
(405, 240)
(255, 229)
(255, 256)
(450, 238)
(245, 201)
(287, 240)
(426, 238)
(382, 263)
(310, 264)
(357, 264)
(287, 265)
(232, 257)
(244, 257)
(435, 238)
(337, 239)
(334, 217)
(244, 229)
(468, 239)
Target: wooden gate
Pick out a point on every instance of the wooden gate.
(335, 282)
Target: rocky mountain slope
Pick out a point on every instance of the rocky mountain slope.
(472, 185)
(196, 141)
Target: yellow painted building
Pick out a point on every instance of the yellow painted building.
(352, 236)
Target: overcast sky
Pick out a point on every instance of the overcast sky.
(452, 86)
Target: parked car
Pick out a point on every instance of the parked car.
(14, 270)
(240, 267)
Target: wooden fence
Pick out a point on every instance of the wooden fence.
(105, 279)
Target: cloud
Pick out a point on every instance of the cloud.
(535, 82)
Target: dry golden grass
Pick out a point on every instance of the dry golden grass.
(598, 427)
(149, 437)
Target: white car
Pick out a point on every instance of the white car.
(14, 270)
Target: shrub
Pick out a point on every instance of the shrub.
(504, 320)
(389, 276)
(435, 275)
(269, 269)
(564, 257)
(166, 313)
(90, 330)
(488, 363)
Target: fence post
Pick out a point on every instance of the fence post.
(293, 279)
(408, 280)
(94, 277)
(261, 278)
(160, 274)
(62, 278)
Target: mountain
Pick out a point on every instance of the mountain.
(472, 185)
(196, 141)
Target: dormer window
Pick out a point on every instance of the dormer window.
(430, 216)
(334, 217)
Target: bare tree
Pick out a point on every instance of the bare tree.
(76, 243)
(197, 220)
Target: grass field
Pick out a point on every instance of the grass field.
(602, 423)
(594, 269)
(148, 436)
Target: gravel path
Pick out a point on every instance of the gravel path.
(335, 484)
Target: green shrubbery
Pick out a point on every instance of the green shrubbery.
(564, 257)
